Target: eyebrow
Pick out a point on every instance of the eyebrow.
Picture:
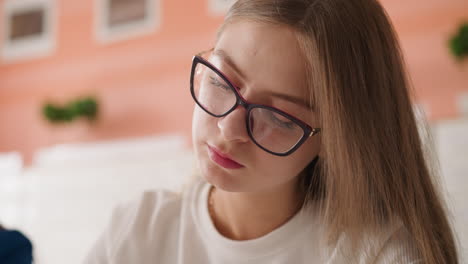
(225, 57)
(293, 99)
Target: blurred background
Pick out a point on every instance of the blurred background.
(95, 106)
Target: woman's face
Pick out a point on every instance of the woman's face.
(265, 63)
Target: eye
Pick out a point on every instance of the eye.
(216, 82)
(281, 120)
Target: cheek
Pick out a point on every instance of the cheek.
(202, 125)
(272, 171)
(195, 121)
(306, 153)
(312, 146)
(290, 166)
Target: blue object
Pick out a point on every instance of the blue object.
(15, 248)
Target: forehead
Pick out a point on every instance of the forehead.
(268, 56)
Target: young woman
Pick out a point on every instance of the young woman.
(307, 149)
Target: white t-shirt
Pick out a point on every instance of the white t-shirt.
(166, 227)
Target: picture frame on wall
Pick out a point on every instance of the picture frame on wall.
(29, 29)
(118, 20)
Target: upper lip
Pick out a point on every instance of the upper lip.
(222, 153)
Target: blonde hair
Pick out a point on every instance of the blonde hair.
(373, 168)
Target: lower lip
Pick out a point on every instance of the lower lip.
(223, 162)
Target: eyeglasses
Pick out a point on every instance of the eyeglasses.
(271, 129)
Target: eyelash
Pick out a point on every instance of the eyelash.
(288, 124)
(217, 83)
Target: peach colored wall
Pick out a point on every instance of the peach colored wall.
(142, 82)
(424, 28)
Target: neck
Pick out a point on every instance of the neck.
(245, 216)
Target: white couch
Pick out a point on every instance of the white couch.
(63, 202)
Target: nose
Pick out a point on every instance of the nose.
(232, 126)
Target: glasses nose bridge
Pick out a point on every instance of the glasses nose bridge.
(242, 102)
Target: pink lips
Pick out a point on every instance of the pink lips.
(222, 159)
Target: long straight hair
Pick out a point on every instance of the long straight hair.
(373, 168)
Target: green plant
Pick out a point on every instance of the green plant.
(459, 42)
(84, 107)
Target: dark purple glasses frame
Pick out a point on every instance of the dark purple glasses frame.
(308, 131)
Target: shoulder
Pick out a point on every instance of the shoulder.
(147, 207)
(136, 225)
(398, 247)
(391, 244)
(147, 210)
